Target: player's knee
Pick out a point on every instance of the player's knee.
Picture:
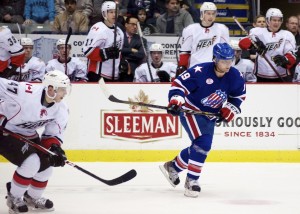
(29, 166)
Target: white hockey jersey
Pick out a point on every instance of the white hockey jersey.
(278, 43)
(296, 77)
(31, 71)
(246, 67)
(21, 103)
(100, 36)
(76, 68)
(199, 41)
(142, 72)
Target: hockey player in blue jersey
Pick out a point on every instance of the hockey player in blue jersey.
(211, 87)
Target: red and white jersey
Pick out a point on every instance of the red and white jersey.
(31, 71)
(279, 43)
(76, 68)
(296, 77)
(199, 41)
(142, 72)
(100, 36)
(11, 52)
(21, 103)
(246, 68)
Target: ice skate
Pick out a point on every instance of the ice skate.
(192, 188)
(170, 173)
(16, 205)
(41, 204)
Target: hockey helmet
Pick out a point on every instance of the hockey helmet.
(156, 47)
(273, 12)
(207, 6)
(223, 51)
(26, 41)
(107, 5)
(62, 42)
(57, 79)
(235, 44)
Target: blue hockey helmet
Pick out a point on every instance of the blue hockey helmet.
(223, 51)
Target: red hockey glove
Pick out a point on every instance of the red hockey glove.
(228, 112)
(260, 46)
(175, 104)
(280, 60)
(60, 157)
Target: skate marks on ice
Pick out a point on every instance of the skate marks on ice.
(226, 188)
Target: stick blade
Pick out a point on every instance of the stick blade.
(122, 179)
(104, 88)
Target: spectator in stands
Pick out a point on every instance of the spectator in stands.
(33, 68)
(84, 6)
(12, 11)
(73, 67)
(132, 51)
(70, 18)
(39, 11)
(147, 29)
(273, 45)
(160, 71)
(174, 20)
(184, 4)
(151, 8)
(96, 16)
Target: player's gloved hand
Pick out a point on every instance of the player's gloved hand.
(260, 46)
(228, 112)
(280, 60)
(180, 70)
(8, 72)
(175, 104)
(109, 53)
(60, 157)
(163, 76)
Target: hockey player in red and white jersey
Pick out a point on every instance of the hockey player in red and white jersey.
(24, 108)
(276, 45)
(11, 53)
(244, 66)
(99, 46)
(198, 39)
(33, 68)
(161, 71)
(76, 68)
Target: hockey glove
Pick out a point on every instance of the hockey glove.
(280, 60)
(260, 46)
(163, 76)
(8, 72)
(228, 112)
(180, 70)
(109, 53)
(60, 157)
(175, 104)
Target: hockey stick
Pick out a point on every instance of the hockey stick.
(115, 39)
(112, 98)
(145, 51)
(66, 50)
(123, 178)
(253, 42)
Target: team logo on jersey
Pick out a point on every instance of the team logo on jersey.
(206, 43)
(25, 148)
(139, 124)
(209, 81)
(43, 113)
(214, 100)
(274, 45)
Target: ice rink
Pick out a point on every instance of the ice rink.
(231, 188)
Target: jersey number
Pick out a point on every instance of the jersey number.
(12, 40)
(12, 87)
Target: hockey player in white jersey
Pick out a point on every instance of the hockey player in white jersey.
(99, 46)
(24, 108)
(245, 66)
(276, 45)
(33, 68)
(198, 39)
(11, 53)
(76, 68)
(161, 71)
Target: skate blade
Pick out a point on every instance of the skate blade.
(164, 171)
(39, 210)
(191, 194)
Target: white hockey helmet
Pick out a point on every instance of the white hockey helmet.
(273, 12)
(56, 79)
(107, 5)
(26, 41)
(207, 6)
(156, 47)
(62, 42)
(235, 44)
